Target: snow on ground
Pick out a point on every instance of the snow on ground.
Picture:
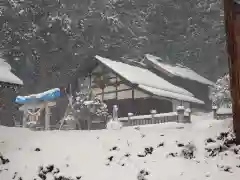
(151, 152)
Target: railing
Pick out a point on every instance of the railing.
(181, 116)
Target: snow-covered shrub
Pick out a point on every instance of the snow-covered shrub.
(188, 151)
(84, 106)
(142, 174)
(221, 95)
(3, 160)
(102, 109)
(85, 100)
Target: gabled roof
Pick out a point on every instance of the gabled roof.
(175, 70)
(6, 75)
(148, 81)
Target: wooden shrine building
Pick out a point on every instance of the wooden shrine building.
(135, 89)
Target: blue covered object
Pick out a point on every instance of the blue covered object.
(45, 96)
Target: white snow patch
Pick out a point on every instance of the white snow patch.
(86, 153)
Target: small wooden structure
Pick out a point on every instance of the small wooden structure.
(32, 112)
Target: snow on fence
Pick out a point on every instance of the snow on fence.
(221, 113)
(181, 116)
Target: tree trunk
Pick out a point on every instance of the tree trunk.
(232, 26)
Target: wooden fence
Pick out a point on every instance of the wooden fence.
(181, 116)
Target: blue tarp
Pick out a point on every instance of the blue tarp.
(49, 95)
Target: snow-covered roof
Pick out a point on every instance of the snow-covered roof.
(177, 70)
(173, 95)
(148, 81)
(6, 75)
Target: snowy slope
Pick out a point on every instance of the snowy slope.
(118, 155)
(6, 75)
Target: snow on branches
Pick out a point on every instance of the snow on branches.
(221, 95)
(88, 100)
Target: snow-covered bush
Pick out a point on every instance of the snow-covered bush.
(86, 100)
(102, 109)
(221, 95)
(189, 150)
(85, 106)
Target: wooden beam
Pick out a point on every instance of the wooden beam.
(232, 27)
(94, 85)
(133, 93)
(97, 74)
(133, 102)
(120, 90)
(116, 86)
(102, 94)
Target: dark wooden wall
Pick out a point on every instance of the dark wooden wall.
(141, 106)
(199, 90)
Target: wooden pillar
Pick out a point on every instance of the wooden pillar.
(133, 108)
(232, 27)
(153, 113)
(180, 112)
(116, 86)
(214, 109)
(129, 119)
(48, 106)
(47, 117)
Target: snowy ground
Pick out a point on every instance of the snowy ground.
(153, 150)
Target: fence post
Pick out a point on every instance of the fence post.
(153, 113)
(115, 113)
(189, 112)
(129, 119)
(180, 112)
(214, 109)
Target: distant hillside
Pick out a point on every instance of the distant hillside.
(190, 32)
